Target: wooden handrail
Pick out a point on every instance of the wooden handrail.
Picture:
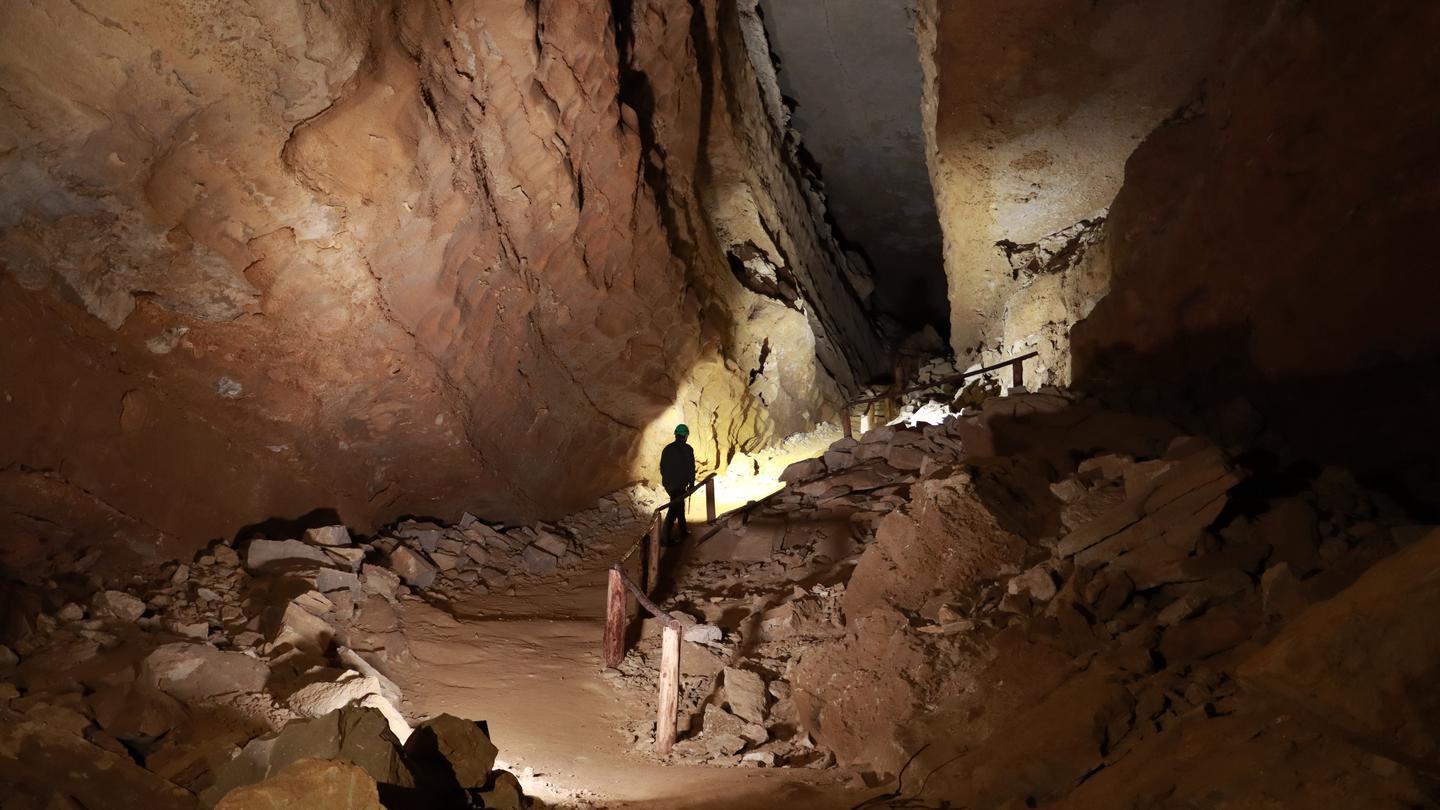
(1017, 363)
(953, 378)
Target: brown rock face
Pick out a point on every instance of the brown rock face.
(1032, 111)
(1262, 244)
(386, 258)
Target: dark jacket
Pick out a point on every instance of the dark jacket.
(677, 466)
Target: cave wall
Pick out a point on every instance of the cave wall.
(1031, 111)
(391, 258)
(1266, 276)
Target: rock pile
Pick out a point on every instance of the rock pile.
(144, 691)
(1090, 615)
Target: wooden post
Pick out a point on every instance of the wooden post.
(845, 421)
(710, 499)
(1017, 374)
(614, 646)
(669, 703)
(652, 555)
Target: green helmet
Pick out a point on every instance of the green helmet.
(682, 430)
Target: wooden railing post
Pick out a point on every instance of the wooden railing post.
(652, 554)
(845, 427)
(669, 703)
(710, 499)
(1017, 374)
(614, 645)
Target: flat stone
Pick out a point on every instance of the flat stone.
(328, 536)
(379, 581)
(538, 561)
(802, 470)
(262, 554)
(194, 671)
(745, 694)
(458, 749)
(417, 571)
(299, 628)
(703, 634)
(553, 543)
(349, 556)
(503, 792)
(118, 604)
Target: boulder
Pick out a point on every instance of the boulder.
(262, 554)
(447, 750)
(801, 470)
(552, 543)
(195, 671)
(328, 580)
(745, 694)
(503, 792)
(309, 784)
(538, 561)
(1366, 660)
(328, 536)
(118, 605)
(412, 567)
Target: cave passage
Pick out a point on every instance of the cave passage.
(1060, 379)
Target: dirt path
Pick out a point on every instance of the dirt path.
(529, 664)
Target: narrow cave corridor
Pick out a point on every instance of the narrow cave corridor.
(1043, 391)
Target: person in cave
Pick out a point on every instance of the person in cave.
(677, 475)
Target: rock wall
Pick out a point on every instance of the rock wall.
(382, 258)
(1031, 113)
(1265, 276)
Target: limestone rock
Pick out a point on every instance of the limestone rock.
(745, 694)
(417, 571)
(802, 470)
(503, 792)
(308, 784)
(539, 561)
(196, 671)
(119, 605)
(328, 536)
(379, 581)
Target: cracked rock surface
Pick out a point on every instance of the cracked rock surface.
(389, 258)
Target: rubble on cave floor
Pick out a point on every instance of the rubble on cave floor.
(1106, 603)
(180, 685)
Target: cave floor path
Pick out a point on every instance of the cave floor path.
(528, 663)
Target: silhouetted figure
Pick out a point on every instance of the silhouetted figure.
(677, 474)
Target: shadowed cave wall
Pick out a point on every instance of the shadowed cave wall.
(392, 258)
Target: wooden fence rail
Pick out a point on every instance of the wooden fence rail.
(617, 616)
(1017, 379)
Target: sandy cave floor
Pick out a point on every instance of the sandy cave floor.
(529, 664)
